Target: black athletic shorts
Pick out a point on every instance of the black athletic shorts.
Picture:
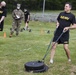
(64, 38)
(26, 20)
(1, 26)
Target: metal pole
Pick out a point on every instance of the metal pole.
(43, 7)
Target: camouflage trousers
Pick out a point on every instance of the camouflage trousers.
(16, 26)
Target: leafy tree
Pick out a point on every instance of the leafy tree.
(38, 4)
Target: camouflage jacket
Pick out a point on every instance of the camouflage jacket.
(17, 14)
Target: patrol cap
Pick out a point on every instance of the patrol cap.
(18, 5)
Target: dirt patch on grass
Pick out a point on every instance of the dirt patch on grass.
(73, 70)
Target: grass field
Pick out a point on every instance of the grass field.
(30, 46)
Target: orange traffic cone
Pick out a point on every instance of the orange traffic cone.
(4, 34)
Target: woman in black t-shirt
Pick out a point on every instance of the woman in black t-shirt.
(26, 19)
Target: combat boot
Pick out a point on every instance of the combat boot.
(11, 34)
(17, 34)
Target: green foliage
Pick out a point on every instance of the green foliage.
(38, 4)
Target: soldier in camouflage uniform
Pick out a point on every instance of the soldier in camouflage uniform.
(17, 15)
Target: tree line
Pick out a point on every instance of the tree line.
(38, 4)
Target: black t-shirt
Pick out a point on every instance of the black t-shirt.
(26, 14)
(3, 12)
(66, 19)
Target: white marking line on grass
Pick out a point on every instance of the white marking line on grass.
(25, 49)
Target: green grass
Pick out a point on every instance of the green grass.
(31, 46)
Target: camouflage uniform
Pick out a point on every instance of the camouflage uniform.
(17, 18)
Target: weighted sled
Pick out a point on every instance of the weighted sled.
(35, 66)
